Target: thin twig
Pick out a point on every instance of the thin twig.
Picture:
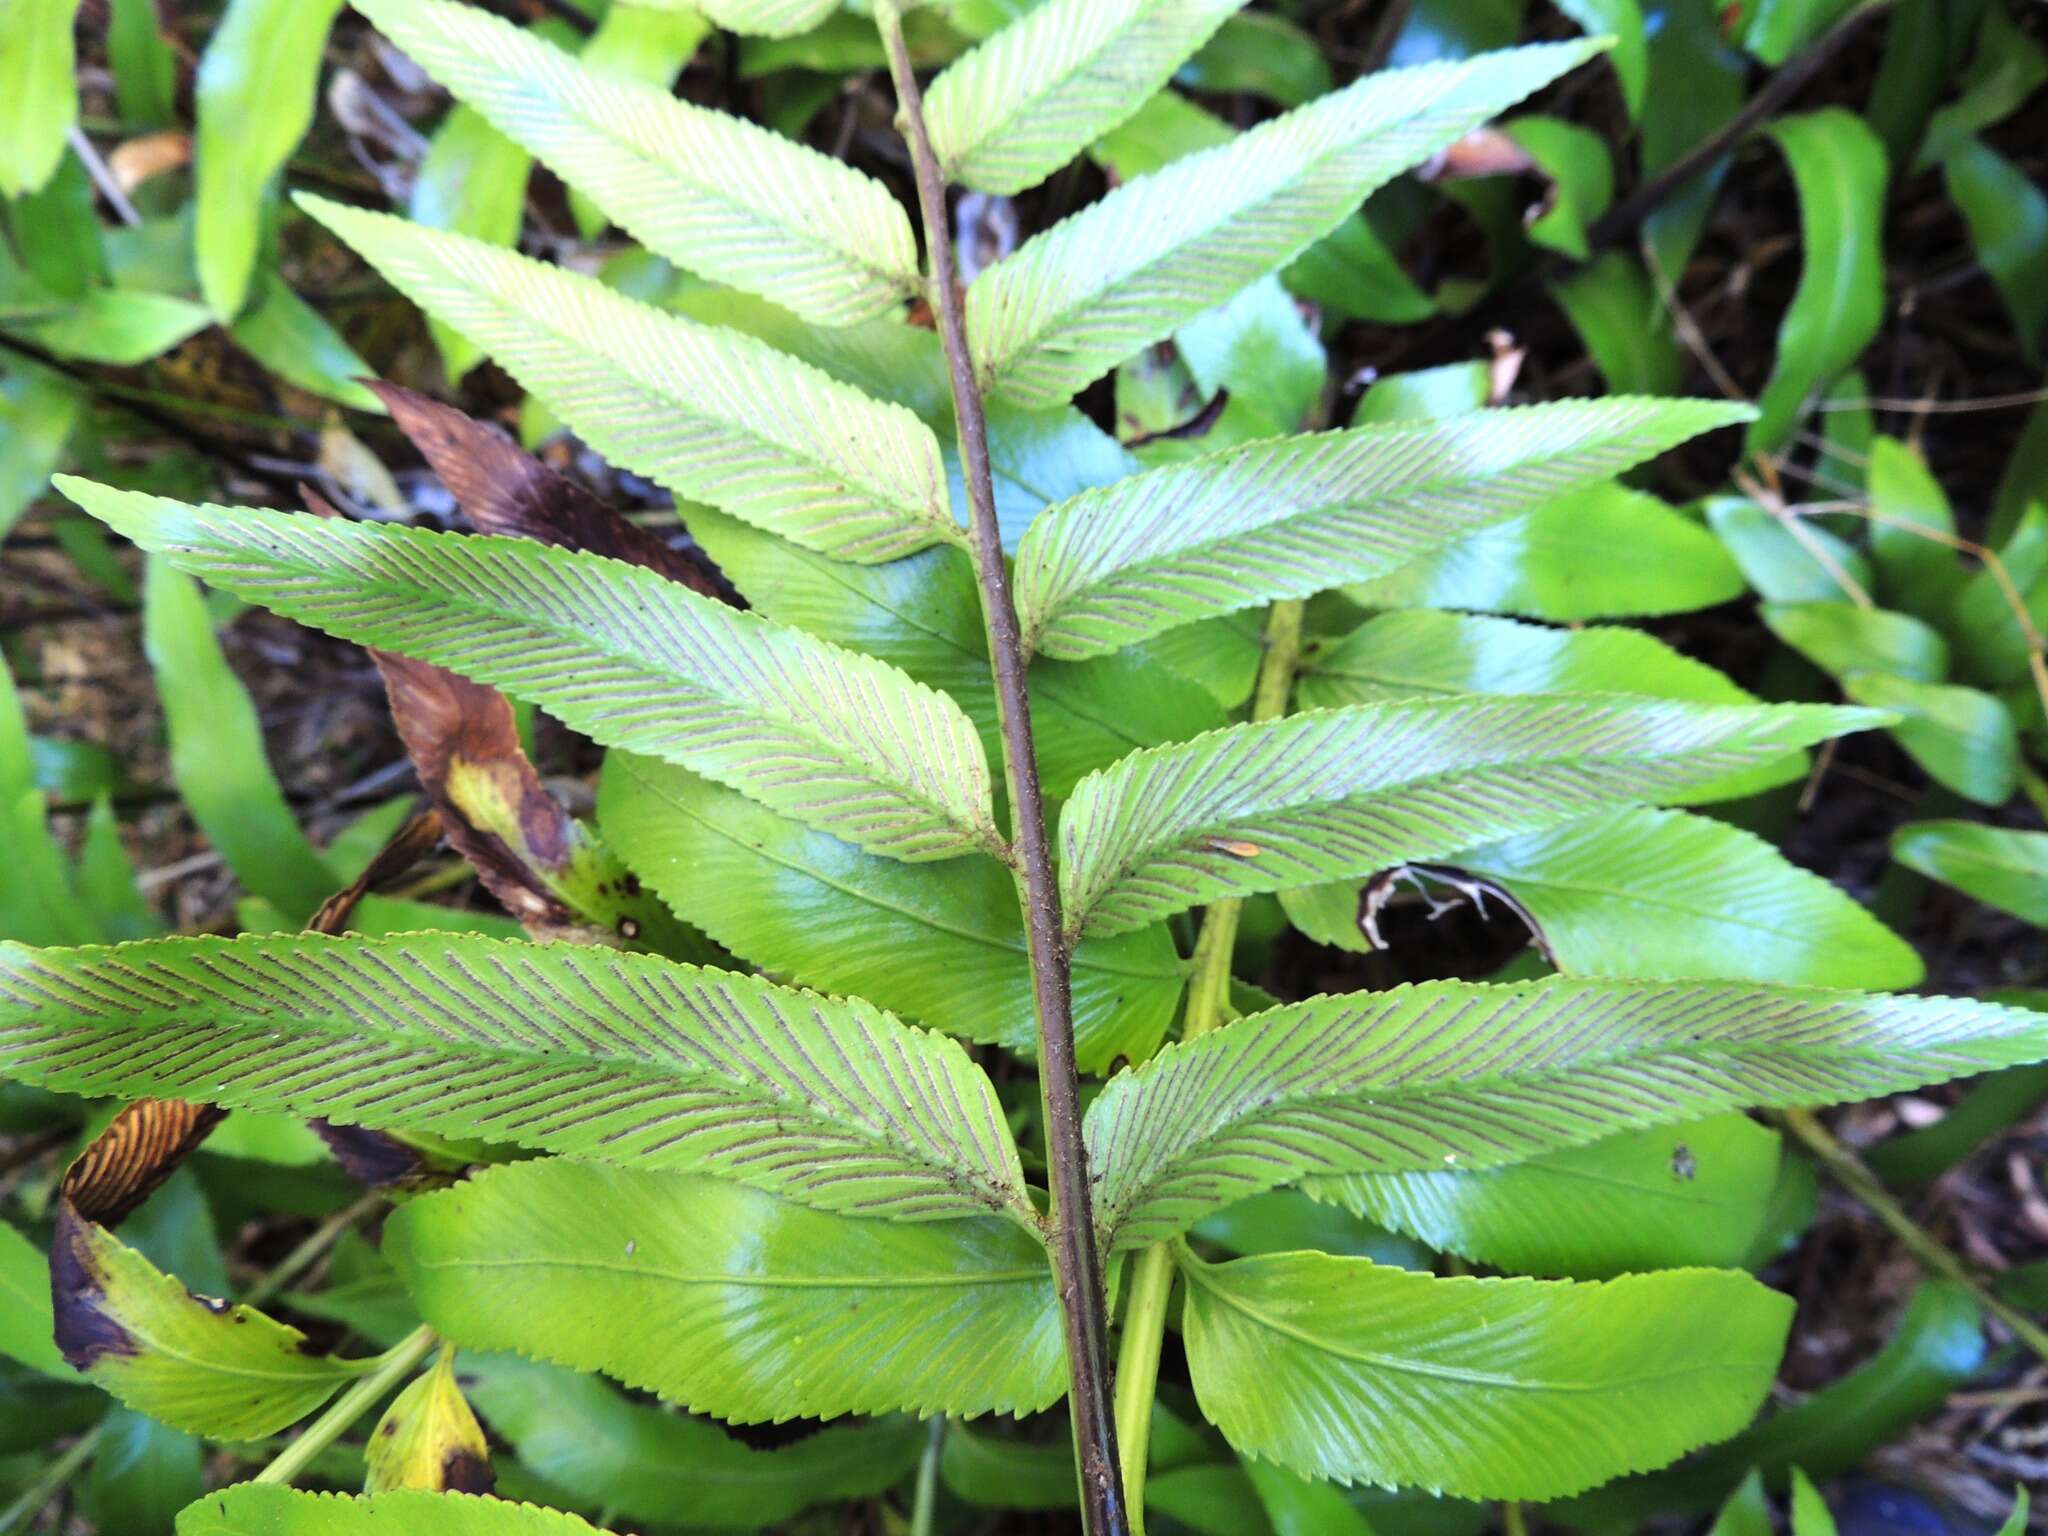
(1848, 1170)
(1071, 1227)
(303, 1257)
(102, 177)
(1936, 407)
(45, 1488)
(1621, 220)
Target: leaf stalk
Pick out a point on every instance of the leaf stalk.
(397, 1363)
(1137, 1366)
(1850, 1171)
(1071, 1228)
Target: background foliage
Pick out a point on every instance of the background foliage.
(1831, 208)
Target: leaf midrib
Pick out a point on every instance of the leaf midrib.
(1462, 1376)
(867, 898)
(934, 1280)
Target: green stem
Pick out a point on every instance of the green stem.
(45, 1488)
(1151, 1287)
(1513, 1522)
(1849, 1171)
(398, 1362)
(924, 1508)
(303, 1257)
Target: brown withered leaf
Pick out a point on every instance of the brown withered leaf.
(409, 844)
(503, 489)
(464, 744)
(139, 1149)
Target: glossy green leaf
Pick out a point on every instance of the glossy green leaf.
(1658, 1199)
(1295, 516)
(1344, 792)
(25, 1327)
(1623, 21)
(1260, 348)
(1289, 1221)
(1605, 552)
(1839, 168)
(1614, 307)
(1936, 1345)
(472, 181)
(1778, 29)
(615, 651)
(1747, 1512)
(1263, 54)
(1840, 638)
(2006, 67)
(744, 1307)
(1421, 652)
(1991, 644)
(568, 1048)
(119, 328)
(923, 614)
(217, 753)
(268, 1509)
(1338, 1368)
(1657, 893)
(225, 1371)
(38, 410)
(2001, 867)
(1964, 738)
(1425, 394)
(2008, 218)
(1810, 1516)
(255, 95)
(1697, 82)
(713, 416)
(144, 63)
(1424, 652)
(143, 1473)
(1917, 572)
(643, 1463)
(1035, 457)
(1297, 1506)
(294, 341)
(38, 94)
(1079, 298)
(1457, 1074)
(1784, 566)
(942, 944)
(1580, 169)
(1021, 105)
(731, 201)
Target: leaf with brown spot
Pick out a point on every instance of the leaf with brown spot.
(547, 869)
(429, 1438)
(214, 1368)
